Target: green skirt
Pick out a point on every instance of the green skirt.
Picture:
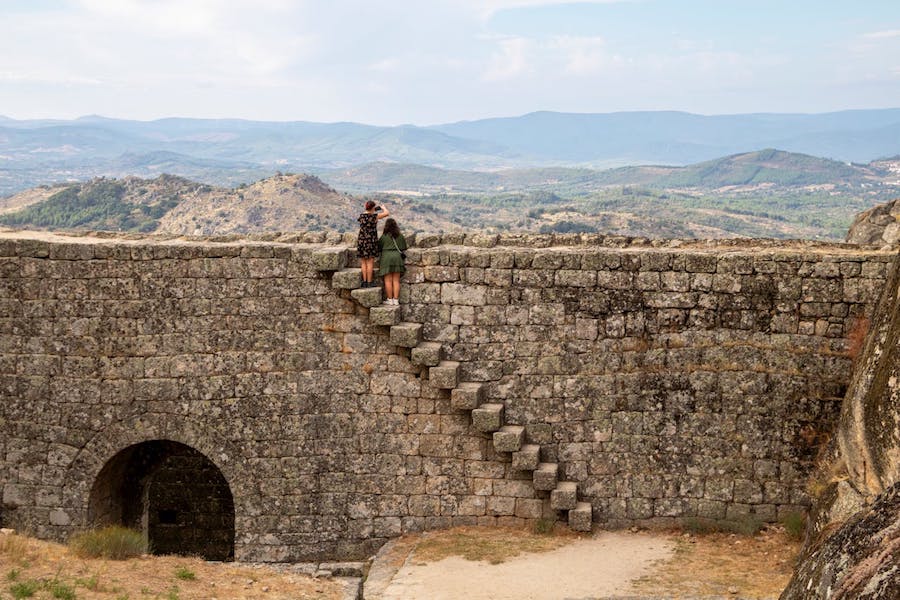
(390, 262)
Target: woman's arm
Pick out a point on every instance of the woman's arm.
(384, 212)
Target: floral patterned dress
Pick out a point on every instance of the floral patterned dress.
(367, 240)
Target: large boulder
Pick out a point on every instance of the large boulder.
(869, 430)
(852, 546)
(879, 225)
(859, 561)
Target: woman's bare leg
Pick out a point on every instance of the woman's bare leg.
(395, 285)
(366, 267)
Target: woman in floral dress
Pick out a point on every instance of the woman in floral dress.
(367, 241)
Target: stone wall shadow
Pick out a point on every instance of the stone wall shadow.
(172, 493)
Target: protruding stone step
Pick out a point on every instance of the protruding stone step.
(427, 354)
(509, 439)
(406, 334)
(346, 279)
(580, 517)
(488, 417)
(545, 476)
(565, 496)
(384, 316)
(329, 259)
(467, 396)
(445, 375)
(527, 458)
(368, 297)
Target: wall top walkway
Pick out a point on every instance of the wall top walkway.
(11, 241)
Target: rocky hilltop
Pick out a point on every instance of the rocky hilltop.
(282, 202)
(879, 225)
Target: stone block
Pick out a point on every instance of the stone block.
(346, 279)
(501, 505)
(368, 297)
(488, 417)
(466, 295)
(444, 375)
(747, 491)
(427, 354)
(441, 273)
(565, 496)
(509, 438)
(467, 396)
(580, 517)
(711, 509)
(527, 458)
(59, 517)
(462, 315)
(472, 505)
(575, 278)
(384, 316)
(344, 569)
(329, 259)
(546, 476)
(529, 508)
(406, 334)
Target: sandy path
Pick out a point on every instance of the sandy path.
(602, 565)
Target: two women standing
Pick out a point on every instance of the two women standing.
(390, 247)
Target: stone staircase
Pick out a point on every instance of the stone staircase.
(487, 417)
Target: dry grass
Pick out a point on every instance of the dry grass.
(757, 566)
(493, 545)
(54, 572)
(114, 542)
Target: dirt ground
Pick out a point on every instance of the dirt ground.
(51, 571)
(469, 563)
(516, 564)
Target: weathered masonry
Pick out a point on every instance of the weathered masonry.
(238, 398)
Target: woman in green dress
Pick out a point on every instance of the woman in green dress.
(390, 266)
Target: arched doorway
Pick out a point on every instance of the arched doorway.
(172, 493)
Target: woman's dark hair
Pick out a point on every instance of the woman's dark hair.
(370, 205)
(391, 227)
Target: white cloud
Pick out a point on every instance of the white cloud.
(510, 60)
(881, 35)
(386, 61)
(485, 9)
(586, 55)
(385, 65)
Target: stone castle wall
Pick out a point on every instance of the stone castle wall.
(684, 380)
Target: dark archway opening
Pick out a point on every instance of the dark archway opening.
(175, 495)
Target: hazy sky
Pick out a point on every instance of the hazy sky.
(433, 61)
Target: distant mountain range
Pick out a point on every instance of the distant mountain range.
(678, 138)
(229, 151)
(749, 169)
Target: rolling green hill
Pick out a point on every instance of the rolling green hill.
(107, 204)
